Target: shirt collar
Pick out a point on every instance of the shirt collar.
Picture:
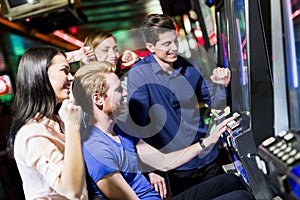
(157, 68)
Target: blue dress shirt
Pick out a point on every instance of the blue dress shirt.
(164, 107)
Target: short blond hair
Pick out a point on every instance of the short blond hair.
(89, 79)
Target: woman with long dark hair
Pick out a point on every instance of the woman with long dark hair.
(45, 131)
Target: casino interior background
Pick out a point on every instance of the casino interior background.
(257, 39)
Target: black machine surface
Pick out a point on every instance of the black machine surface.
(241, 147)
(229, 139)
(279, 159)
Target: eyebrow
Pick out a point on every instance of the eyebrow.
(64, 66)
(110, 45)
(119, 87)
(166, 42)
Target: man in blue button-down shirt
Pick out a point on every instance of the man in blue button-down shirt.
(164, 92)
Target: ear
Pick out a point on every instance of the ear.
(97, 99)
(150, 47)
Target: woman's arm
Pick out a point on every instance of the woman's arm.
(72, 179)
(84, 54)
(114, 186)
(165, 162)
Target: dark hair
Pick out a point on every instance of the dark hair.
(34, 92)
(155, 24)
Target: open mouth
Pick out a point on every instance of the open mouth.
(67, 87)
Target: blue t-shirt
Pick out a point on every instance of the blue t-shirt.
(164, 107)
(103, 156)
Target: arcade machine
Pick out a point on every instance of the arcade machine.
(279, 155)
(244, 47)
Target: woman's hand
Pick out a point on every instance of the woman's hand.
(84, 54)
(129, 58)
(87, 54)
(70, 113)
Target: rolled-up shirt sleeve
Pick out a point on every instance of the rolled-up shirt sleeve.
(40, 155)
(45, 157)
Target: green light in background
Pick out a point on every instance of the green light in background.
(17, 44)
(129, 39)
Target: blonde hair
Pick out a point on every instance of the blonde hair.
(95, 38)
(89, 79)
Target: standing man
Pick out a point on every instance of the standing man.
(164, 92)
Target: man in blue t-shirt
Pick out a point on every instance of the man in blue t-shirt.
(110, 154)
(164, 93)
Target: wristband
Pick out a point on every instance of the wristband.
(202, 144)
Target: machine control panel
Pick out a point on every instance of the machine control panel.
(279, 159)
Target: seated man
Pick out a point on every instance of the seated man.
(109, 152)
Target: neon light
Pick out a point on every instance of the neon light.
(243, 75)
(213, 39)
(224, 51)
(68, 38)
(73, 30)
(294, 72)
(187, 23)
(295, 14)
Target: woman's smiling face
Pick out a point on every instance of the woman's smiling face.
(107, 51)
(60, 77)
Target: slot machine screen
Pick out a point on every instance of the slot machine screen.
(293, 64)
(234, 55)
